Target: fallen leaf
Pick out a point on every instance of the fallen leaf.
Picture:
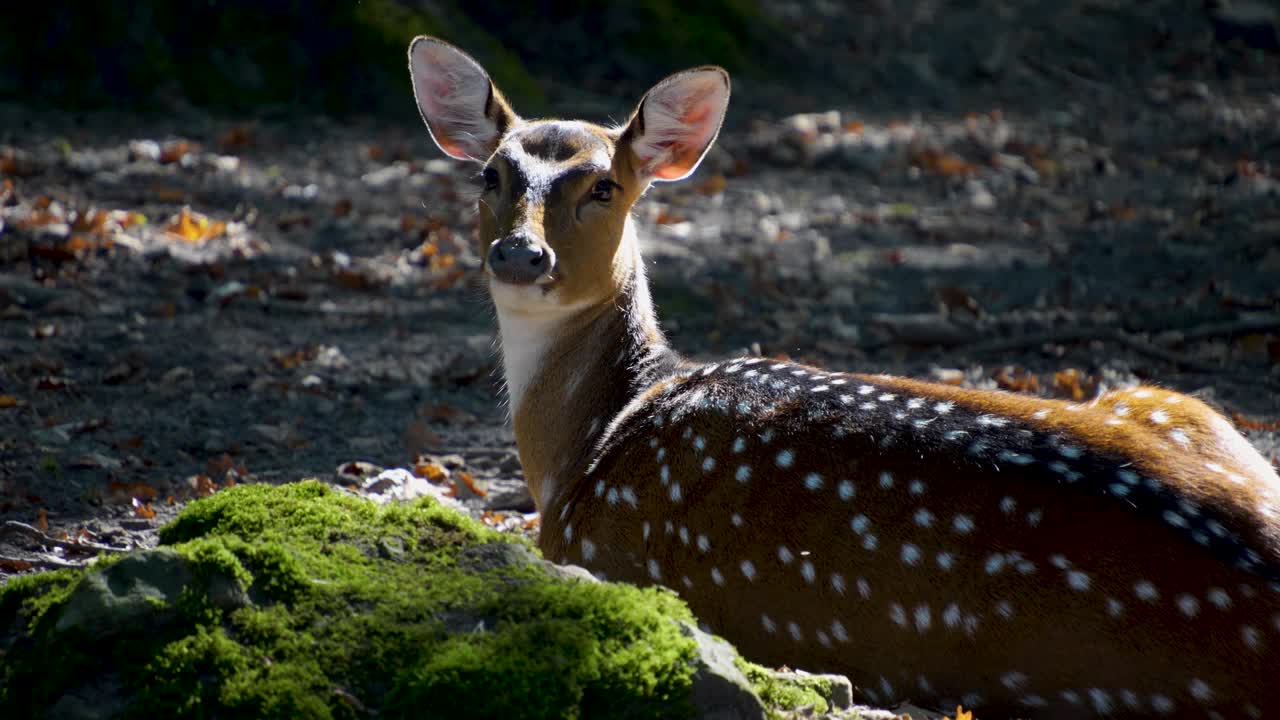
(15, 565)
(202, 485)
(174, 151)
(42, 519)
(1243, 421)
(668, 218)
(943, 163)
(430, 471)
(193, 227)
(236, 137)
(713, 185)
(469, 483)
(143, 509)
(1017, 379)
(119, 491)
(9, 401)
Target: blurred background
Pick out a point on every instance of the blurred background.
(346, 56)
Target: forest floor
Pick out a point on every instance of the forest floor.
(190, 302)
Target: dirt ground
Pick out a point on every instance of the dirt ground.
(190, 301)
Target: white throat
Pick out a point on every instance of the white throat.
(525, 339)
(529, 324)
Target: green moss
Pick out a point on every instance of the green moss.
(778, 693)
(295, 609)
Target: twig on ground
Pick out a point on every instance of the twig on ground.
(1246, 326)
(44, 562)
(13, 527)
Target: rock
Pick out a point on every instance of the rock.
(835, 689)
(720, 690)
(139, 591)
(569, 572)
(100, 699)
(386, 176)
(509, 494)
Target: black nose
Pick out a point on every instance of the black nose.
(517, 259)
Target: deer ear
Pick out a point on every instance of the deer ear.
(464, 112)
(676, 122)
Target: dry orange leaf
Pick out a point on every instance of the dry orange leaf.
(15, 565)
(943, 163)
(143, 509)
(430, 471)
(713, 185)
(42, 519)
(1067, 382)
(961, 714)
(202, 485)
(470, 482)
(1243, 421)
(194, 227)
(9, 401)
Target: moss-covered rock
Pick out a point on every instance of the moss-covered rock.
(302, 602)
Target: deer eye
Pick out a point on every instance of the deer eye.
(603, 190)
(490, 176)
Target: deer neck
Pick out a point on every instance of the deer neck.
(568, 375)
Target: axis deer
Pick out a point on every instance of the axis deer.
(1118, 558)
